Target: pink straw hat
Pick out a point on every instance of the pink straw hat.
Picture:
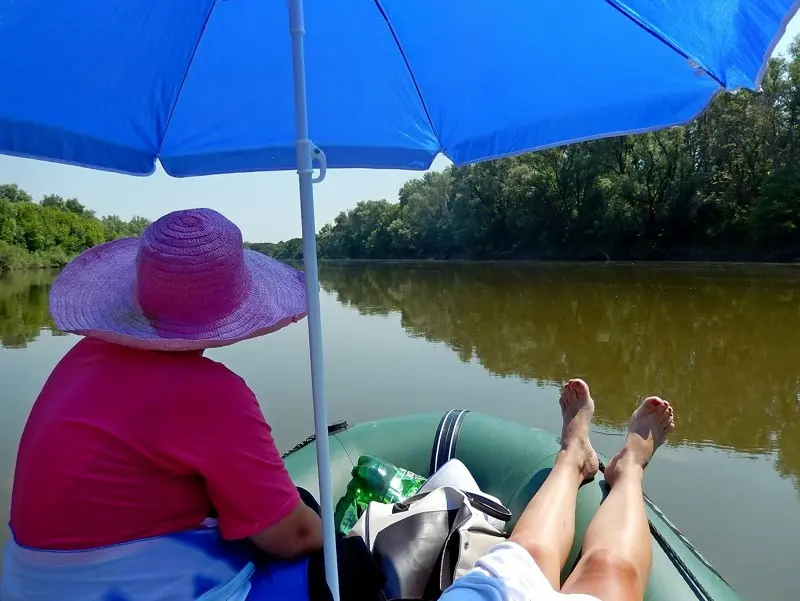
(185, 284)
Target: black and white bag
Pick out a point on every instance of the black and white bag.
(425, 543)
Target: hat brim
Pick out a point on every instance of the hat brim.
(95, 296)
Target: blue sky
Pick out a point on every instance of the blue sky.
(264, 205)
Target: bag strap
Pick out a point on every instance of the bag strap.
(484, 504)
(488, 506)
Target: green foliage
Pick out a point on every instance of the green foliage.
(14, 194)
(50, 232)
(289, 250)
(114, 227)
(12, 257)
(726, 186)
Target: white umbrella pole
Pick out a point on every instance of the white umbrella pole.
(306, 152)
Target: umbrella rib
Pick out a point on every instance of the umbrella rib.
(213, 3)
(385, 17)
(663, 40)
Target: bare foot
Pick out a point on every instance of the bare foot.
(577, 408)
(650, 424)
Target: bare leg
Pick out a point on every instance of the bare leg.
(547, 526)
(617, 551)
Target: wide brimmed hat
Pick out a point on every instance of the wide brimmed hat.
(185, 284)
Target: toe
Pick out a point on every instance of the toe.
(661, 409)
(579, 387)
(569, 393)
(651, 404)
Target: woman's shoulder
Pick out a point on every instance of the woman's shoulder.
(215, 376)
(200, 384)
(188, 372)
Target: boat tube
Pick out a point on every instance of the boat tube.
(509, 461)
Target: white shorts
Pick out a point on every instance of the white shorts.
(507, 573)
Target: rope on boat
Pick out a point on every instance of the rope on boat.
(333, 428)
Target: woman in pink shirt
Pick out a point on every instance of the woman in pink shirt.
(136, 438)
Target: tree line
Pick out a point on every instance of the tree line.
(726, 186)
(48, 233)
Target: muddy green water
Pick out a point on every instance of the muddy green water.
(721, 342)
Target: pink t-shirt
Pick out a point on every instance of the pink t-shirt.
(124, 444)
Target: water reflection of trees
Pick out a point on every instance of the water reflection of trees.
(24, 307)
(720, 342)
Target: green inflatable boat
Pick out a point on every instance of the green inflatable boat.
(509, 461)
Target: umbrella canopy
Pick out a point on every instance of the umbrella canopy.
(205, 86)
(215, 86)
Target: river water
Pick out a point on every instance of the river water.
(720, 342)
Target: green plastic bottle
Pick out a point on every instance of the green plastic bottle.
(373, 480)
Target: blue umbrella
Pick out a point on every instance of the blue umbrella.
(219, 86)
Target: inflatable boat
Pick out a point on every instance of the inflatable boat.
(509, 461)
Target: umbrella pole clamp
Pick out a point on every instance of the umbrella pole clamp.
(305, 149)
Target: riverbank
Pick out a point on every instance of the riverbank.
(15, 258)
(687, 260)
(50, 232)
(291, 250)
(19, 260)
(553, 262)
